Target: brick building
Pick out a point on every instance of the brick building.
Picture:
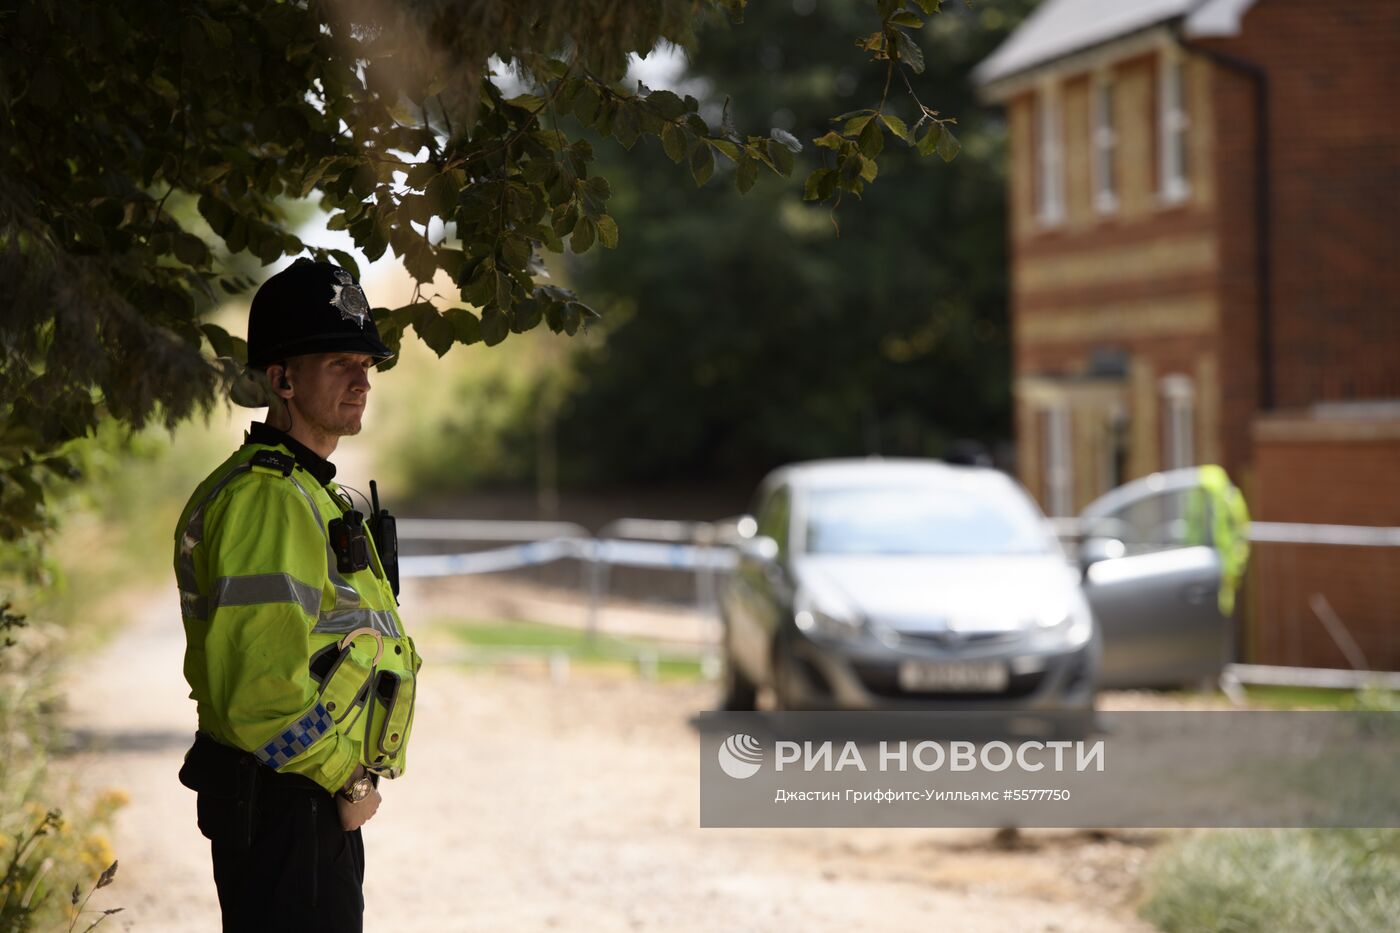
(1204, 200)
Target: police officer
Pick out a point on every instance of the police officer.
(296, 657)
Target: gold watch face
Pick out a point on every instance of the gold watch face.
(359, 790)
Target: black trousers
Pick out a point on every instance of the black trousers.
(302, 873)
(281, 859)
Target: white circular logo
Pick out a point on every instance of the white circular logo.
(740, 756)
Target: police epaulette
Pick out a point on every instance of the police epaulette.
(271, 460)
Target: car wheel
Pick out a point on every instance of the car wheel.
(738, 693)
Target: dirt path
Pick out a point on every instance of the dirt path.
(536, 805)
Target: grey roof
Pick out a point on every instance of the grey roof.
(1057, 28)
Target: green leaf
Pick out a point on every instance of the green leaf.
(856, 124)
(868, 168)
(872, 139)
(527, 316)
(746, 174)
(948, 145)
(909, 52)
(586, 104)
(811, 191)
(781, 157)
(420, 173)
(317, 172)
(607, 232)
(565, 219)
(225, 344)
(850, 169)
(526, 102)
(217, 214)
(728, 148)
(516, 251)
(163, 87)
(466, 329)
(626, 126)
(832, 140)
(346, 262)
(929, 6)
(441, 194)
(269, 248)
(928, 143)
(905, 18)
(419, 259)
(503, 289)
(494, 326)
(433, 329)
(191, 250)
(896, 126)
(702, 163)
(598, 187)
(666, 103)
(673, 140)
(582, 237)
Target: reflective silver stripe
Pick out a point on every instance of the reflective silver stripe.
(346, 597)
(338, 622)
(185, 573)
(309, 501)
(257, 588)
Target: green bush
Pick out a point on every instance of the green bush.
(1314, 880)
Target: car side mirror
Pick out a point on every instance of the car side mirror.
(1094, 550)
(759, 548)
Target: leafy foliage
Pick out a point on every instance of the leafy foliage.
(740, 333)
(112, 115)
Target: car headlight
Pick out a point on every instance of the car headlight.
(1073, 624)
(1053, 618)
(813, 621)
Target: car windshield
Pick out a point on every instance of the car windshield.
(922, 519)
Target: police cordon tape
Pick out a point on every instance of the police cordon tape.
(678, 556)
(650, 554)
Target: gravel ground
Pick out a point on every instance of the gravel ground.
(535, 804)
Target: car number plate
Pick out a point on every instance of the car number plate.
(961, 676)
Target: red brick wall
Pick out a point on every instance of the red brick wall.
(1334, 82)
(1340, 481)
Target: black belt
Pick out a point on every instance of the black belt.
(234, 783)
(215, 768)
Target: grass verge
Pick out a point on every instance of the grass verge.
(1320, 698)
(489, 641)
(1281, 880)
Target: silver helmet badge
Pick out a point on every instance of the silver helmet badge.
(350, 299)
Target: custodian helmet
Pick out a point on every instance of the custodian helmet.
(310, 307)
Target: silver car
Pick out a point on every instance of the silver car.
(888, 584)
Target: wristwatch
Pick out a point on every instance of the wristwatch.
(359, 790)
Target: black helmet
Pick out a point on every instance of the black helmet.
(310, 307)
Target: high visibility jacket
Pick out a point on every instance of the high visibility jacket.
(1220, 503)
(266, 612)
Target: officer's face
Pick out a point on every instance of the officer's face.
(329, 391)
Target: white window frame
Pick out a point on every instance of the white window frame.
(1058, 460)
(1173, 126)
(1179, 411)
(1103, 143)
(1049, 155)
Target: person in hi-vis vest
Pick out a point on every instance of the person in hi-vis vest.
(300, 668)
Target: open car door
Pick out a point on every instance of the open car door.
(1153, 577)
